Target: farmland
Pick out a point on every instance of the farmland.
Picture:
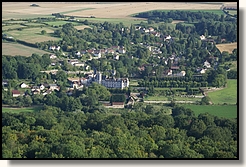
(98, 10)
(227, 95)
(58, 23)
(33, 35)
(18, 49)
(226, 111)
(227, 47)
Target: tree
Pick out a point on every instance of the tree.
(43, 32)
(205, 100)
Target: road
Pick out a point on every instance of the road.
(170, 101)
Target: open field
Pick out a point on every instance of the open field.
(226, 111)
(18, 49)
(125, 21)
(227, 95)
(232, 65)
(81, 27)
(100, 10)
(57, 23)
(33, 35)
(227, 47)
(24, 109)
(12, 26)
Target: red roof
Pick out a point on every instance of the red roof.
(15, 92)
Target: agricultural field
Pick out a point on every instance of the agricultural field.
(24, 109)
(98, 10)
(226, 111)
(227, 47)
(226, 95)
(33, 35)
(14, 49)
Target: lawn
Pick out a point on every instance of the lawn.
(24, 109)
(226, 111)
(227, 95)
(14, 49)
(33, 35)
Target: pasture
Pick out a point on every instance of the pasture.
(33, 35)
(227, 47)
(226, 111)
(226, 95)
(98, 10)
(14, 26)
(24, 109)
(14, 49)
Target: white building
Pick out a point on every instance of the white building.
(119, 83)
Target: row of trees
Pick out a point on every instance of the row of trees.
(142, 133)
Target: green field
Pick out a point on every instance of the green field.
(12, 26)
(33, 35)
(125, 21)
(227, 95)
(24, 109)
(14, 49)
(226, 111)
(57, 23)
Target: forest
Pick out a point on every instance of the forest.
(140, 133)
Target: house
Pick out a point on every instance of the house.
(73, 61)
(110, 51)
(118, 104)
(16, 93)
(23, 85)
(122, 50)
(174, 67)
(73, 79)
(78, 53)
(181, 74)
(52, 56)
(36, 91)
(169, 72)
(54, 87)
(41, 87)
(35, 88)
(5, 82)
(79, 64)
(47, 92)
(151, 29)
(202, 37)
(97, 53)
(166, 37)
(116, 57)
(83, 51)
(206, 64)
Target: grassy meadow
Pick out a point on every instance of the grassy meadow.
(227, 95)
(14, 49)
(24, 109)
(226, 111)
(33, 35)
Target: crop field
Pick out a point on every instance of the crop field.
(14, 49)
(24, 109)
(33, 35)
(98, 10)
(227, 47)
(227, 95)
(226, 111)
